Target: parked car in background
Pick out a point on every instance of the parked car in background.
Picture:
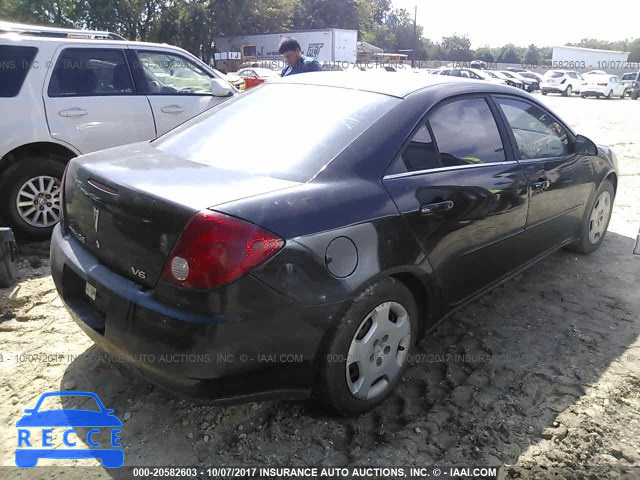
(631, 81)
(513, 82)
(234, 79)
(564, 82)
(527, 84)
(98, 91)
(471, 73)
(603, 85)
(339, 251)
(532, 76)
(255, 76)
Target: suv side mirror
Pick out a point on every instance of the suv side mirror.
(584, 146)
(220, 88)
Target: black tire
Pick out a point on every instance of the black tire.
(624, 94)
(12, 181)
(583, 96)
(331, 390)
(568, 91)
(610, 95)
(543, 92)
(584, 244)
(634, 96)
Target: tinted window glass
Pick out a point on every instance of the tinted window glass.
(629, 76)
(537, 133)
(553, 74)
(89, 72)
(281, 145)
(419, 155)
(466, 133)
(572, 75)
(15, 63)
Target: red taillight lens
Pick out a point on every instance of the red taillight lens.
(216, 249)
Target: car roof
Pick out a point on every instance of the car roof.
(385, 83)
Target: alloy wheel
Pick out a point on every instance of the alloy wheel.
(38, 201)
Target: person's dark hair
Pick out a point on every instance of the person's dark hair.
(288, 44)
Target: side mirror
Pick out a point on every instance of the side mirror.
(219, 88)
(584, 146)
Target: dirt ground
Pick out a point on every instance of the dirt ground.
(541, 375)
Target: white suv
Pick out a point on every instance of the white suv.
(565, 82)
(68, 92)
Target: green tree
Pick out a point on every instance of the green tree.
(457, 47)
(532, 55)
(485, 54)
(634, 51)
(508, 54)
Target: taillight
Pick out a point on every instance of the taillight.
(216, 249)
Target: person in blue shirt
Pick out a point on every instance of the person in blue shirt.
(296, 62)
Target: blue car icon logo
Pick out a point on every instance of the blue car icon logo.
(36, 426)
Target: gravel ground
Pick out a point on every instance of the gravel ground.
(541, 375)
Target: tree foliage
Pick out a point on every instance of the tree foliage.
(193, 24)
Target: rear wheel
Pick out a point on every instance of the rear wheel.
(596, 220)
(568, 91)
(624, 94)
(634, 96)
(368, 350)
(30, 195)
(610, 94)
(543, 92)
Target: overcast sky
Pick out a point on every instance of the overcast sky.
(543, 22)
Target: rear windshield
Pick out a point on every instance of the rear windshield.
(629, 76)
(285, 131)
(15, 63)
(553, 74)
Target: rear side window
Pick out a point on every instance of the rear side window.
(81, 72)
(553, 74)
(15, 63)
(466, 133)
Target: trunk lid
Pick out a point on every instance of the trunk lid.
(129, 205)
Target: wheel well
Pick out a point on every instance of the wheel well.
(613, 178)
(420, 294)
(45, 149)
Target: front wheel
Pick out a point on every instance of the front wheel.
(30, 195)
(368, 350)
(596, 220)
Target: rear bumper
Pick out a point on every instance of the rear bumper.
(553, 88)
(258, 345)
(594, 90)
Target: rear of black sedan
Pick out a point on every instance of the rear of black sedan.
(268, 248)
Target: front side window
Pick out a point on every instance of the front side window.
(537, 133)
(90, 72)
(15, 63)
(466, 133)
(419, 155)
(170, 74)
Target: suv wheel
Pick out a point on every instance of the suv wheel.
(568, 91)
(31, 195)
(368, 350)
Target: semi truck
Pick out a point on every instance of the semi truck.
(327, 45)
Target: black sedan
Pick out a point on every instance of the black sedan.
(298, 240)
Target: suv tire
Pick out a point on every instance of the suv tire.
(36, 179)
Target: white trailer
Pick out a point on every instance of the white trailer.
(574, 58)
(328, 45)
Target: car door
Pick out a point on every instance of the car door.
(177, 88)
(91, 101)
(560, 181)
(463, 195)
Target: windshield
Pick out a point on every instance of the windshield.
(629, 76)
(259, 132)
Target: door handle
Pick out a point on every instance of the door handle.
(172, 109)
(540, 185)
(73, 112)
(437, 207)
